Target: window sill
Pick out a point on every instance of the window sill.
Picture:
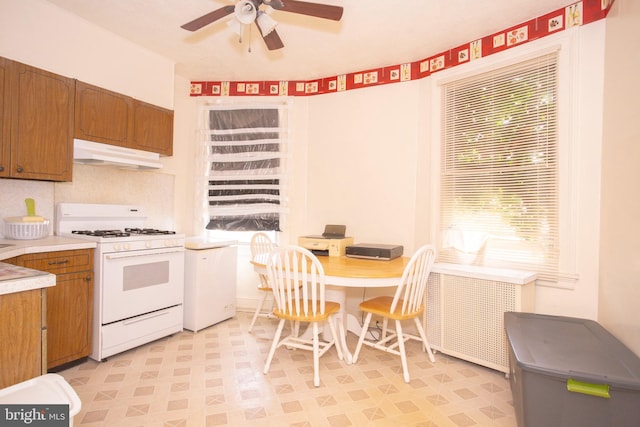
(516, 277)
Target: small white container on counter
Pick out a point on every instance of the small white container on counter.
(26, 230)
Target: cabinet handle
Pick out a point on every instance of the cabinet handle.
(1, 168)
(20, 169)
(88, 279)
(64, 261)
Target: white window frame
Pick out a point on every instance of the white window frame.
(202, 168)
(568, 110)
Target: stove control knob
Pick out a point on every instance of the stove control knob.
(148, 244)
(116, 247)
(127, 246)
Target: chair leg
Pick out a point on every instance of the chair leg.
(403, 354)
(258, 309)
(385, 324)
(365, 329)
(274, 345)
(337, 339)
(296, 328)
(425, 342)
(316, 356)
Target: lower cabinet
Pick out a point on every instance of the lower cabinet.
(69, 309)
(69, 304)
(22, 334)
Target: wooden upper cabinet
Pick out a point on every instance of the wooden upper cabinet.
(102, 115)
(42, 109)
(5, 116)
(152, 128)
(112, 118)
(36, 123)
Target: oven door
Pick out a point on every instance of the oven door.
(139, 282)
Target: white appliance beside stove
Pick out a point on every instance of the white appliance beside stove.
(139, 274)
(210, 282)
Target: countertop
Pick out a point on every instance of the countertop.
(48, 244)
(18, 279)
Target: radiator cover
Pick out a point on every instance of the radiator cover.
(465, 313)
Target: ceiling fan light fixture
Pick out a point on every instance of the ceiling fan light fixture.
(245, 11)
(236, 26)
(266, 23)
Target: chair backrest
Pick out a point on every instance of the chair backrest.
(298, 281)
(261, 244)
(414, 281)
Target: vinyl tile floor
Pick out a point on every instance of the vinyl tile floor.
(215, 378)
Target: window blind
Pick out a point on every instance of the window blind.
(246, 148)
(499, 168)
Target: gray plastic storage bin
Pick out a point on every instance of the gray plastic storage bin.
(570, 372)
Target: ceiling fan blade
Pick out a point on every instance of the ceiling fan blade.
(207, 19)
(272, 39)
(317, 10)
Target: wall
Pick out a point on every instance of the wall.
(363, 162)
(39, 34)
(620, 208)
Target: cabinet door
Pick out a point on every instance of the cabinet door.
(102, 116)
(20, 335)
(5, 116)
(69, 317)
(152, 128)
(69, 312)
(42, 110)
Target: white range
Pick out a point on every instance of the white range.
(139, 274)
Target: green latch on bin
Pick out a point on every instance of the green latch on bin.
(598, 390)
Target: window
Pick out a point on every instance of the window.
(499, 168)
(245, 168)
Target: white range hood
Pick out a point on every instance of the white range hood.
(94, 153)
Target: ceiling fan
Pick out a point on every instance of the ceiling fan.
(247, 12)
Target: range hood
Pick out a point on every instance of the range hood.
(94, 153)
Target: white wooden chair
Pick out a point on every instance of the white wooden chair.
(298, 283)
(406, 304)
(261, 246)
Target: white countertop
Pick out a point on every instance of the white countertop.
(200, 243)
(48, 244)
(18, 279)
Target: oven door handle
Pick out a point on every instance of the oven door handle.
(144, 253)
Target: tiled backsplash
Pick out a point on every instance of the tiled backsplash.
(153, 191)
(14, 191)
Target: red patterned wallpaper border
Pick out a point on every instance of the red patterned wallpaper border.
(579, 13)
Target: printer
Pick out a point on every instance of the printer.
(332, 242)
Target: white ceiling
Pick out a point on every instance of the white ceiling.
(371, 34)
